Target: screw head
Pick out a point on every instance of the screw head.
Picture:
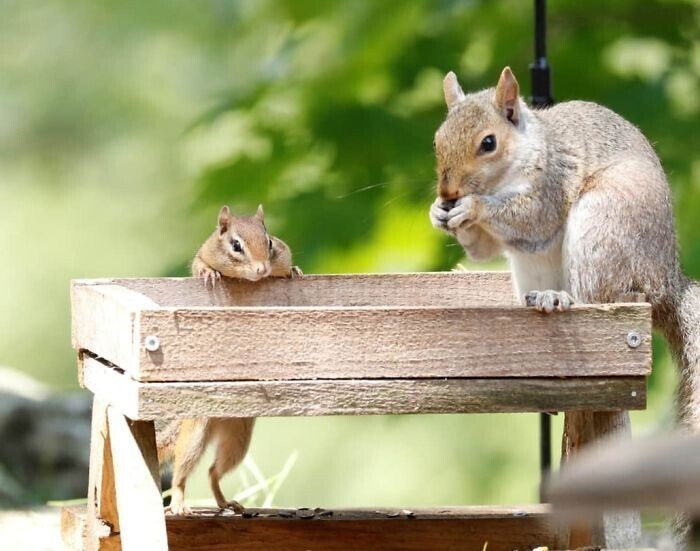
(634, 339)
(152, 343)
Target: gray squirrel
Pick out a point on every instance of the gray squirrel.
(576, 198)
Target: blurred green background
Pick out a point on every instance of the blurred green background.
(125, 125)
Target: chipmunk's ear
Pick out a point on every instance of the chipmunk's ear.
(260, 213)
(508, 96)
(225, 219)
(453, 91)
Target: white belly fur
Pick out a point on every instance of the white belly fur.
(537, 272)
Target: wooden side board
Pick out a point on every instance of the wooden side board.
(382, 340)
(337, 343)
(358, 397)
(407, 289)
(504, 528)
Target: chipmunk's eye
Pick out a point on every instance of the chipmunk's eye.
(488, 144)
(236, 246)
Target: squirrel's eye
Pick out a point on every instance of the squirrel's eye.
(488, 144)
(236, 245)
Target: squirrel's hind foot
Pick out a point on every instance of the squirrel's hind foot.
(549, 301)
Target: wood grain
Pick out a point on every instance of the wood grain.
(388, 338)
(103, 518)
(137, 483)
(505, 529)
(105, 319)
(408, 289)
(330, 343)
(359, 397)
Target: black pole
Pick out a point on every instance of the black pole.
(542, 97)
(539, 70)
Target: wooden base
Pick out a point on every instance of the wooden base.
(449, 528)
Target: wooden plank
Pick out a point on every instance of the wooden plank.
(103, 518)
(347, 343)
(359, 397)
(137, 483)
(407, 289)
(504, 528)
(104, 319)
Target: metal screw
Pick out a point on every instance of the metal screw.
(152, 343)
(634, 339)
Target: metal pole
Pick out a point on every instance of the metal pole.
(542, 97)
(539, 70)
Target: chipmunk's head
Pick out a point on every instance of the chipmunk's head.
(244, 246)
(476, 145)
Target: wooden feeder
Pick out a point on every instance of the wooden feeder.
(340, 345)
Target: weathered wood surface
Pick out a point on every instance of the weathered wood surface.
(137, 483)
(408, 289)
(105, 319)
(383, 340)
(358, 397)
(103, 518)
(229, 344)
(504, 528)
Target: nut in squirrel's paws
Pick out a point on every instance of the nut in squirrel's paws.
(209, 275)
(549, 301)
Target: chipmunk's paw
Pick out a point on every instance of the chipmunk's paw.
(209, 275)
(296, 272)
(235, 506)
(178, 509)
(549, 301)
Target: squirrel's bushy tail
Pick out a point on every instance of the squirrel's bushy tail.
(682, 327)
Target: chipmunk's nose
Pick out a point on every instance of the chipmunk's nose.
(263, 269)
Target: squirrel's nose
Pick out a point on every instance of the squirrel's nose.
(262, 269)
(448, 192)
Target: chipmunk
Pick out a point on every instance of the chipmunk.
(240, 248)
(576, 198)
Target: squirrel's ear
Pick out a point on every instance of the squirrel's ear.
(508, 96)
(452, 89)
(260, 213)
(224, 219)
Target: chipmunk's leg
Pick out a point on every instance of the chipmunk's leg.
(234, 436)
(192, 439)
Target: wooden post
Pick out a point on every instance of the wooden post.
(137, 483)
(102, 518)
(582, 428)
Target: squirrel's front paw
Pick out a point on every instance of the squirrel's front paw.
(439, 211)
(467, 211)
(209, 275)
(548, 301)
(296, 272)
